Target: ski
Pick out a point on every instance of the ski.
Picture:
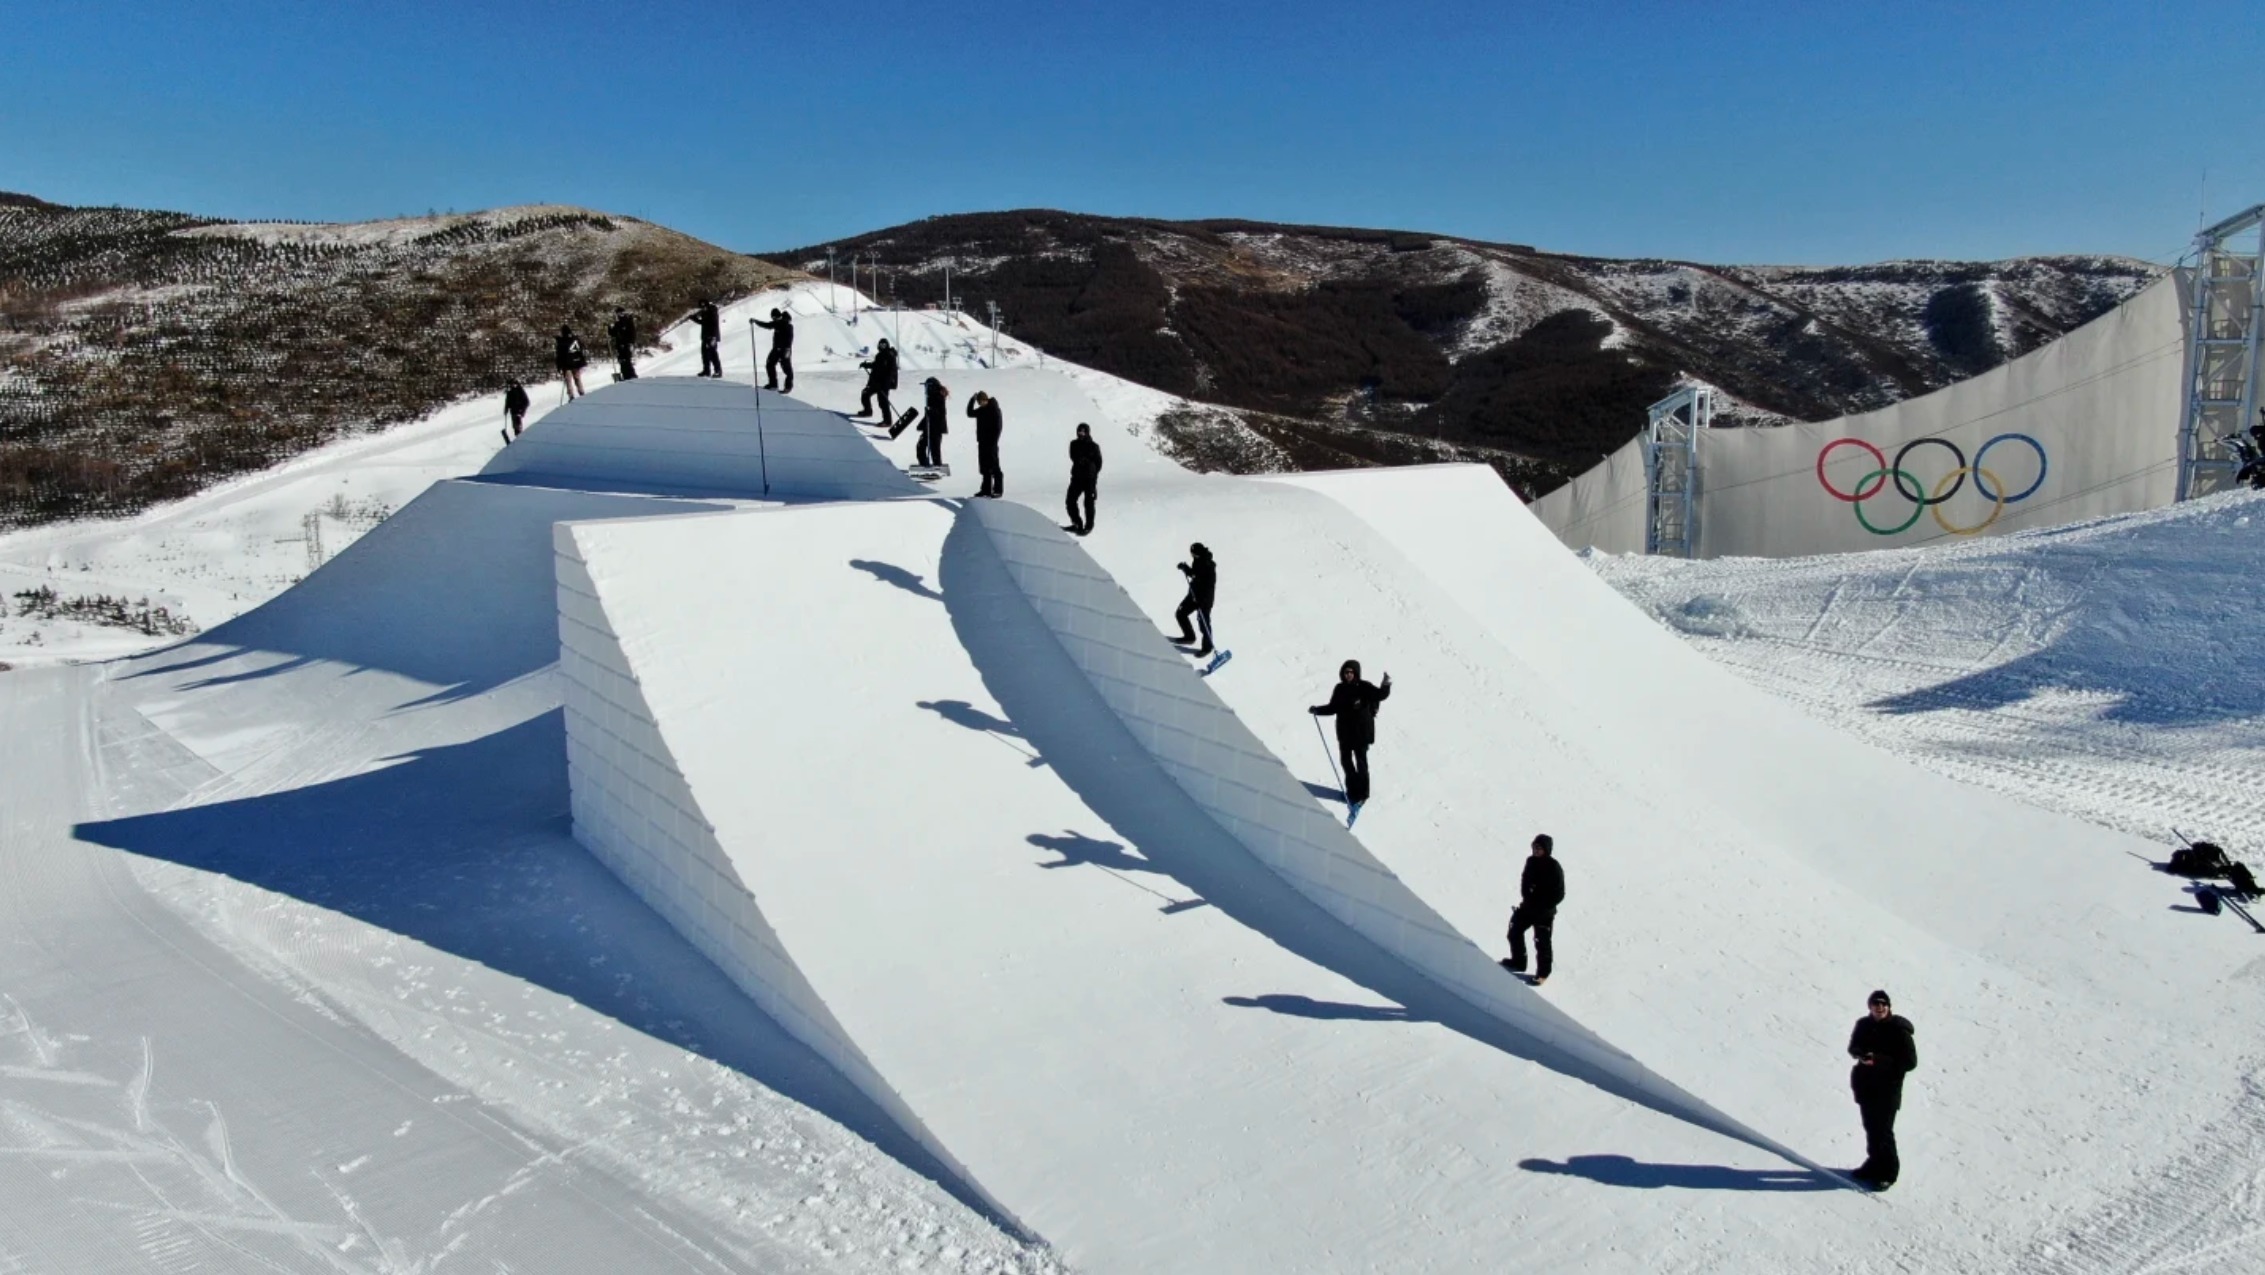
(1216, 661)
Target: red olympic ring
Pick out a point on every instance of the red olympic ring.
(1879, 464)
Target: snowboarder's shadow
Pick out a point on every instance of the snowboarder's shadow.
(1620, 1170)
(1077, 850)
(1323, 791)
(963, 714)
(889, 573)
(1307, 1007)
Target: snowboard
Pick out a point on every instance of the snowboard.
(903, 421)
(929, 473)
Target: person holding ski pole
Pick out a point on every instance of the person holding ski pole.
(571, 359)
(1885, 1049)
(880, 378)
(781, 328)
(515, 405)
(1203, 587)
(1085, 478)
(1541, 887)
(1354, 703)
(711, 323)
(934, 424)
(623, 333)
(989, 425)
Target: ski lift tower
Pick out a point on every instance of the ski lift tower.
(2222, 363)
(1671, 469)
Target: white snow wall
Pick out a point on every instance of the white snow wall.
(684, 434)
(633, 810)
(2083, 427)
(1213, 757)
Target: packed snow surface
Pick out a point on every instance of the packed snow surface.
(306, 970)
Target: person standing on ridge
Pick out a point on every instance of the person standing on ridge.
(1353, 703)
(570, 357)
(1203, 588)
(515, 406)
(880, 378)
(711, 338)
(1085, 478)
(1541, 887)
(623, 333)
(989, 424)
(781, 328)
(934, 424)
(1885, 1048)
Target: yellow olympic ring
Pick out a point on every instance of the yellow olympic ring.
(1943, 484)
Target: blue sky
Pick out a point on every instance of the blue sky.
(1801, 132)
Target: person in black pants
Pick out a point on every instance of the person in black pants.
(571, 360)
(1353, 703)
(711, 339)
(1203, 586)
(515, 406)
(988, 426)
(1541, 887)
(1885, 1049)
(623, 333)
(934, 424)
(880, 379)
(1085, 478)
(781, 328)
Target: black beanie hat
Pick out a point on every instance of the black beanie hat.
(1878, 998)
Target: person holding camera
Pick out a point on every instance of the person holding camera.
(989, 424)
(1885, 1050)
(1085, 479)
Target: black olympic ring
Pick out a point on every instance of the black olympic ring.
(1920, 497)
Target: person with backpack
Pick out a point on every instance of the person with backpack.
(711, 323)
(989, 425)
(1353, 703)
(1085, 478)
(934, 424)
(1203, 587)
(515, 406)
(880, 379)
(623, 333)
(1541, 887)
(781, 328)
(571, 359)
(1885, 1048)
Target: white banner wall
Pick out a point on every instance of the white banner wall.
(2085, 426)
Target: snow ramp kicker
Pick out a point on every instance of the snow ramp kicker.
(1065, 918)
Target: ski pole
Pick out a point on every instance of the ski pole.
(1324, 738)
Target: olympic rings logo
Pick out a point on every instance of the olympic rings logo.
(1922, 499)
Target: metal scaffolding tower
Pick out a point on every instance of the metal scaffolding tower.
(1671, 469)
(2222, 350)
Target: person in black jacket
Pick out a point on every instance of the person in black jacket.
(623, 333)
(515, 406)
(1353, 703)
(880, 378)
(934, 424)
(989, 424)
(781, 328)
(1085, 477)
(1885, 1050)
(571, 359)
(1203, 586)
(711, 339)
(1541, 887)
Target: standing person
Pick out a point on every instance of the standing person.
(1885, 1048)
(1203, 587)
(781, 328)
(988, 426)
(934, 424)
(1353, 703)
(623, 333)
(880, 378)
(571, 359)
(711, 338)
(1541, 887)
(1085, 477)
(515, 406)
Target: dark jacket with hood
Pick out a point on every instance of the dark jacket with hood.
(882, 368)
(935, 418)
(1354, 706)
(1894, 1051)
(711, 323)
(622, 332)
(988, 421)
(781, 330)
(1203, 580)
(515, 400)
(1085, 460)
(1541, 887)
(569, 353)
